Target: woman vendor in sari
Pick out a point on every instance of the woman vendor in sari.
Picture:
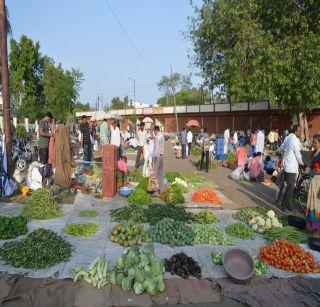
(313, 204)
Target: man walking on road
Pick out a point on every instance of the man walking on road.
(44, 137)
(142, 137)
(291, 162)
(271, 140)
(85, 139)
(189, 140)
(205, 145)
(184, 142)
(158, 153)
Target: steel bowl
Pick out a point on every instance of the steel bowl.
(238, 265)
(296, 221)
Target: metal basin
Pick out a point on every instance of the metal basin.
(238, 265)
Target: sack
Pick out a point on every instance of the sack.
(153, 185)
(235, 175)
(7, 185)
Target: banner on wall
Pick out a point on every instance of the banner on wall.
(157, 110)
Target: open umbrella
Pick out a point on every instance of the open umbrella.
(192, 123)
(148, 120)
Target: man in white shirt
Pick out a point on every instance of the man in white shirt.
(142, 137)
(158, 153)
(235, 140)
(226, 136)
(260, 141)
(116, 137)
(189, 140)
(292, 160)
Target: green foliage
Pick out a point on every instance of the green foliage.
(41, 206)
(196, 151)
(12, 227)
(131, 213)
(210, 234)
(81, 107)
(240, 230)
(143, 185)
(260, 50)
(171, 176)
(81, 230)
(21, 132)
(197, 181)
(88, 213)
(245, 214)
(39, 250)
(37, 85)
(169, 231)
(172, 194)
(140, 197)
(205, 217)
(135, 176)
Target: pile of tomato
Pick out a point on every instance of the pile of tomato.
(289, 256)
(205, 196)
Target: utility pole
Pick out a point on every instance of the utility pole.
(174, 101)
(5, 85)
(134, 88)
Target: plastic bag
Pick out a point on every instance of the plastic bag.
(153, 185)
(235, 175)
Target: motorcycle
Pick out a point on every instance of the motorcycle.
(21, 155)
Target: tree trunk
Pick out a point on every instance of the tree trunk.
(303, 123)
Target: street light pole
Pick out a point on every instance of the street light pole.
(5, 85)
(134, 88)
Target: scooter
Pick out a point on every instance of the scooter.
(21, 155)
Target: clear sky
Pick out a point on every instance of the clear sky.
(85, 34)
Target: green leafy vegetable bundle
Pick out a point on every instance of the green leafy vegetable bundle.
(135, 176)
(172, 195)
(139, 269)
(182, 265)
(39, 250)
(245, 214)
(143, 184)
(41, 206)
(169, 231)
(205, 217)
(171, 176)
(12, 227)
(88, 213)
(240, 230)
(210, 234)
(157, 212)
(197, 181)
(128, 234)
(140, 197)
(81, 230)
(131, 213)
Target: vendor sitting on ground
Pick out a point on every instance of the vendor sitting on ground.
(269, 165)
(123, 170)
(256, 167)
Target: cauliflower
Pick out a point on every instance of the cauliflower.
(261, 222)
(271, 214)
(255, 227)
(252, 221)
(260, 230)
(268, 224)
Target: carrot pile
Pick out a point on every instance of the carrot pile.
(205, 196)
(289, 256)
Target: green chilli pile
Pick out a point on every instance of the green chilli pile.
(210, 234)
(128, 234)
(169, 231)
(39, 250)
(41, 206)
(81, 230)
(240, 230)
(12, 227)
(131, 213)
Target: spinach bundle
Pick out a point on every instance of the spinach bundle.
(12, 227)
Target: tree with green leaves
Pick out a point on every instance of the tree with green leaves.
(170, 85)
(81, 107)
(261, 49)
(26, 77)
(116, 103)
